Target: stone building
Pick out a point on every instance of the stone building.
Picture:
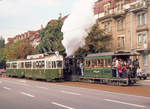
(33, 37)
(128, 23)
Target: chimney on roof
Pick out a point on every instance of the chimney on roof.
(60, 15)
(41, 27)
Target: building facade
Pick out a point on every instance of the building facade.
(127, 22)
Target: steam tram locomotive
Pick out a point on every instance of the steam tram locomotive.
(97, 68)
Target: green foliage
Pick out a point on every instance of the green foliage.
(23, 49)
(2, 45)
(95, 42)
(52, 37)
(2, 42)
(18, 50)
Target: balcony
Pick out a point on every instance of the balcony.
(119, 13)
(142, 28)
(139, 6)
(107, 15)
(142, 47)
(108, 34)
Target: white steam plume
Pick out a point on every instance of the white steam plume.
(76, 25)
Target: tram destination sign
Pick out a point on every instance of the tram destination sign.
(37, 56)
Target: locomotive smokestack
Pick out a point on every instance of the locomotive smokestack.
(76, 25)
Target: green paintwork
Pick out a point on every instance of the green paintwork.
(16, 72)
(98, 72)
(47, 74)
(98, 57)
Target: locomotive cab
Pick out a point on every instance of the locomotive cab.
(72, 70)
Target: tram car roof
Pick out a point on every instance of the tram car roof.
(52, 57)
(113, 54)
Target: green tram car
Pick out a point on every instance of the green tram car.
(98, 69)
(47, 68)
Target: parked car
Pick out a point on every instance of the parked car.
(142, 75)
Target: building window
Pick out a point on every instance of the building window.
(140, 39)
(121, 42)
(142, 19)
(120, 24)
(139, 19)
(107, 8)
(119, 6)
(145, 38)
(107, 27)
(145, 58)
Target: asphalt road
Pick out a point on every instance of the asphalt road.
(28, 94)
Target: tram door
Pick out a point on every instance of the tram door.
(72, 69)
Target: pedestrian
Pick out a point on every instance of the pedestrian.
(116, 66)
(134, 72)
(124, 71)
(136, 65)
(113, 67)
(139, 72)
(82, 68)
(120, 70)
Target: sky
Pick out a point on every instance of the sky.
(19, 16)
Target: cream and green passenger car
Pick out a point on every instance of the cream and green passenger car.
(48, 68)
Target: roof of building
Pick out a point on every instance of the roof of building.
(112, 54)
(99, 5)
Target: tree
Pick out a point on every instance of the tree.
(18, 50)
(2, 45)
(2, 42)
(52, 37)
(23, 49)
(96, 41)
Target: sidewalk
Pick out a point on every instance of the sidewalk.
(3, 75)
(144, 82)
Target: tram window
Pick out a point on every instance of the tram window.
(106, 62)
(14, 65)
(102, 62)
(8, 65)
(53, 64)
(94, 63)
(37, 64)
(19, 65)
(34, 65)
(88, 63)
(98, 63)
(28, 64)
(22, 64)
(109, 63)
(48, 64)
(59, 64)
(42, 64)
